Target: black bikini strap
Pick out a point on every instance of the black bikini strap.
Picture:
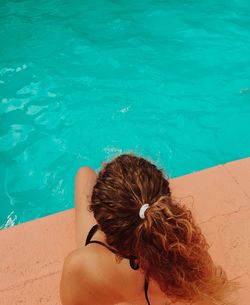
(132, 259)
(146, 290)
(91, 234)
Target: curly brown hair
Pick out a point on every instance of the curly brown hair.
(170, 247)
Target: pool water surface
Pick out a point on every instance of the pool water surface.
(82, 81)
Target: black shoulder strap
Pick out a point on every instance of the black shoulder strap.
(91, 234)
(132, 259)
(146, 290)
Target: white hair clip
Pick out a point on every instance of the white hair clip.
(143, 210)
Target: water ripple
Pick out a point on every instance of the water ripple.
(82, 82)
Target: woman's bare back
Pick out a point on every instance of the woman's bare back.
(92, 274)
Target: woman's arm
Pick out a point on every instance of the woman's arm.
(84, 219)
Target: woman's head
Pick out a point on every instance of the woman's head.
(169, 245)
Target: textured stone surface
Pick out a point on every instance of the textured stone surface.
(31, 259)
(32, 253)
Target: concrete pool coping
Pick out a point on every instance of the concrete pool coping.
(32, 253)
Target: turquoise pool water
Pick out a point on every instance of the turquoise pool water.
(81, 81)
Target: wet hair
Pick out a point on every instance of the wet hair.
(169, 245)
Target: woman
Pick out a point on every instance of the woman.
(136, 245)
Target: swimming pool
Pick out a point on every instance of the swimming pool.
(81, 81)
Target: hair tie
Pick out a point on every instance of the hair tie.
(143, 210)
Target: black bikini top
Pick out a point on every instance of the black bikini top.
(132, 259)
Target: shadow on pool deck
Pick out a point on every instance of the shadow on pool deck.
(32, 253)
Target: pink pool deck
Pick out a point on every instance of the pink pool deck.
(31, 254)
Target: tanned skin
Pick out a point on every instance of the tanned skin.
(92, 275)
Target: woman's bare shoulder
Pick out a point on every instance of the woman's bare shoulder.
(71, 274)
(82, 278)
